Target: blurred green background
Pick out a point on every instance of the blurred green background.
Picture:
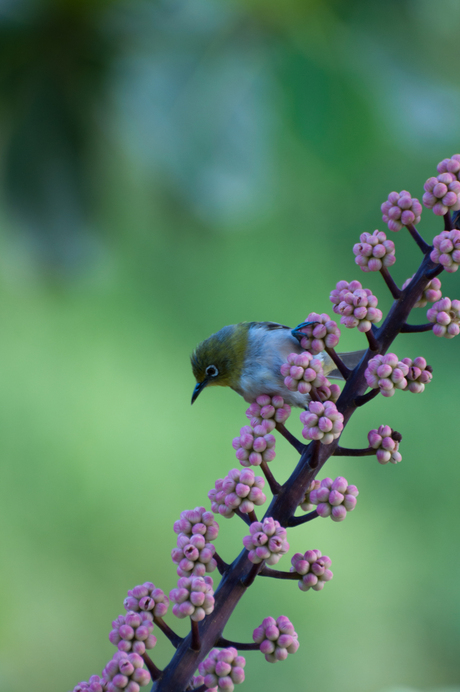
(169, 167)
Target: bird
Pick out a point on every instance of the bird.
(247, 357)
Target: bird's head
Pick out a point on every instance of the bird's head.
(219, 359)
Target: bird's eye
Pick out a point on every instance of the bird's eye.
(212, 371)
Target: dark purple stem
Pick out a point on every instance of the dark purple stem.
(297, 521)
(151, 667)
(297, 444)
(424, 247)
(238, 645)
(346, 452)
(373, 343)
(341, 367)
(283, 506)
(364, 398)
(243, 516)
(278, 574)
(172, 636)
(415, 328)
(252, 516)
(272, 482)
(448, 223)
(395, 291)
(195, 644)
(222, 566)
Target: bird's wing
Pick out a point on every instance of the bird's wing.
(270, 326)
(351, 360)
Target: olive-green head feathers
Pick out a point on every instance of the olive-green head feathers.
(219, 359)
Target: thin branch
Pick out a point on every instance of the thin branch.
(424, 247)
(253, 572)
(414, 328)
(431, 273)
(341, 367)
(237, 645)
(297, 521)
(153, 670)
(448, 223)
(364, 398)
(347, 452)
(252, 516)
(394, 290)
(174, 638)
(243, 516)
(201, 688)
(278, 574)
(222, 566)
(297, 444)
(196, 642)
(373, 343)
(275, 487)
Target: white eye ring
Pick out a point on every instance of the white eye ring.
(212, 371)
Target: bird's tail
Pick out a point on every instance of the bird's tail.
(351, 360)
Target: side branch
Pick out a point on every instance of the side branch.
(341, 367)
(297, 521)
(297, 444)
(237, 645)
(424, 247)
(174, 638)
(278, 574)
(394, 290)
(151, 667)
(415, 328)
(346, 452)
(373, 343)
(244, 517)
(364, 398)
(275, 487)
(222, 566)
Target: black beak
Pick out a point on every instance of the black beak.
(198, 388)
(296, 331)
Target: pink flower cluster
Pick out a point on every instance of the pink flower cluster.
(445, 315)
(267, 408)
(193, 598)
(266, 541)
(447, 250)
(400, 209)
(196, 681)
(95, 684)
(276, 638)
(240, 489)
(356, 304)
(321, 422)
(222, 670)
(314, 569)
(305, 503)
(325, 333)
(431, 293)
(126, 672)
(255, 445)
(334, 498)
(388, 373)
(442, 193)
(147, 597)
(301, 372)
(194, 554)
(385, 445)
(374, 251)
(133, 632)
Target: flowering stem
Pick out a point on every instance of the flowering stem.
(153, 670)
(172, 636)
(341, 367)
(196, 642)
(346, 452)
(424, 247)
(437, 269)
(252, 516)
(297, 444)
(364, 398)
(296, 521)
(395, 291)
(448, 223)
(373, 343)
(201, 688)
(222, 566)
(278, 574)
(253, 572)
(243, 516)
(238, 645)
(413, 328)
(272, 482)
